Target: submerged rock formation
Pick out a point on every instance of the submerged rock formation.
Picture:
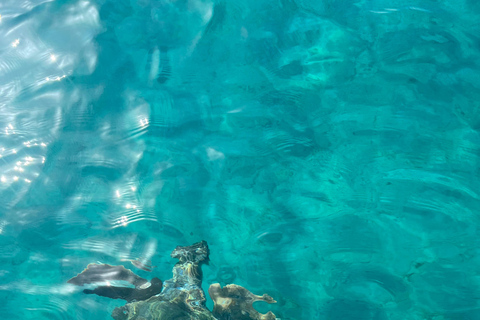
(182, 297)
(105, 272)
(128, 294)
(95, 273)
(236, 302)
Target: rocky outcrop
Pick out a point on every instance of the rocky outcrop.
(236, 302)
(181, 298)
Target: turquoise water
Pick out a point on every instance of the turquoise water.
(328, 151)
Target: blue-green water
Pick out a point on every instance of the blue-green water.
(327, 150)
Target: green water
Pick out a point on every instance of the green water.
(328, 151)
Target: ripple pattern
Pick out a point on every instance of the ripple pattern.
(328, 151)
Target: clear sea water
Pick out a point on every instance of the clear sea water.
(327, 150)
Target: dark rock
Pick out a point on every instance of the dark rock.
(105, 272)
(182, 297)
(128, 294)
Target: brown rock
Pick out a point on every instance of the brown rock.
(236, 302)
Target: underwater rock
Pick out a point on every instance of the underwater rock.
(105, 272)
(182, 297)
(234, 302)
(128, 294)
(156, 308)
(187, 274)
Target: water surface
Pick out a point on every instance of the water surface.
(328, 151)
